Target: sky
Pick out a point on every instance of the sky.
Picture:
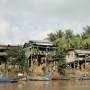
(24, 20)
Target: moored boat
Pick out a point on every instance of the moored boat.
(7, 79)
(84, 78)
(61, 78)
(65, 78)
(40, 78)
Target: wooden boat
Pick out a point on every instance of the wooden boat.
(40, 78)
(65, 78)
(61, 78)
(84, 78)
(7, 79)
(23, 79)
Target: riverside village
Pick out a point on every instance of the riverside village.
(44, 44)
(61, 56)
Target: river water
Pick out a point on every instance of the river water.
(47, 85)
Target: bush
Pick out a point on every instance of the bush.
(61, 66)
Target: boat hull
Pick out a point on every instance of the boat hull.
(84, 78)
(39, 79)
(61, 78)
(12, 80)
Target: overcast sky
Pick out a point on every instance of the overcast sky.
(23, 20)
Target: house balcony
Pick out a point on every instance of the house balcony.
(43, 53)
(3, 53)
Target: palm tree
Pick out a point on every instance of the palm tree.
(69, 37)
(59, 34)
(51, 37)
(62, 40)
(86, 37)
(86, 31)
(77, 42)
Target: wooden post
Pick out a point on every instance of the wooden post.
(85, 64)
(74, 62)
(74, 65)
(78, 61)
(78, 64)
(37, 54)
(31, 58)
(46, 56)
(70, 65)
(31, 61)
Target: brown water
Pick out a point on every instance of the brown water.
(47, 85)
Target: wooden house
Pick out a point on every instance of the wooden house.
(38, 51)
(3, 53)
(76, 58)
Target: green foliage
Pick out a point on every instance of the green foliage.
(49, 57)
(86, 32)
(69, 34)
(68, 40)
(59, 34)
(16, 55)
(21, 59)
(35, 51)
(51, 37)
(13, 51)
(61, 66)
(77, 42)
(86, 37)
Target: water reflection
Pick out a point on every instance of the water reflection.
(47, 85)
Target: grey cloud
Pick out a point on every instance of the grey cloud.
(34, 17)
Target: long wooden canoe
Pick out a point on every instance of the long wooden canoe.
(7, 79)
(40, 78)
(84, 78)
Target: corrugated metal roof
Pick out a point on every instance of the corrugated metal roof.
(82, 51)
(38, 42)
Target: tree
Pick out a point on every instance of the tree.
(21, 60)
(61, 66)
(35, 51)
(59, 34)
(51, 37)
(60, 41)
(69, 38)
(86, 31)
(77, 41)
(12, 53)
(16, 56)
(86, 37)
